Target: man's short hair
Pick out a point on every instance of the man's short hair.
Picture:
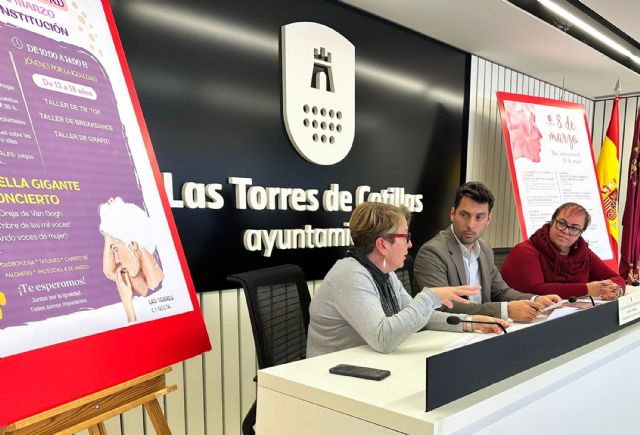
(476, 191)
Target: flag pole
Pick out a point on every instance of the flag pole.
(608, 169)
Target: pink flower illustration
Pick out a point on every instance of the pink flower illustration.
(525, 136)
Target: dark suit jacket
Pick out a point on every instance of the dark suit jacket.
(439, 263)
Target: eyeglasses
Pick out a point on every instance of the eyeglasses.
(406, 236)
(562, 225)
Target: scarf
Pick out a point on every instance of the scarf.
(387, 296)
(555, 266)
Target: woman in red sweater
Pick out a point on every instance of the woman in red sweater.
(556, 259)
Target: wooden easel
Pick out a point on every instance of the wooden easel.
(91, 411)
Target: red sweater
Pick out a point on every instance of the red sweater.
(536, 266)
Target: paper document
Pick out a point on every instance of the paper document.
(561, 312)
(554, 306)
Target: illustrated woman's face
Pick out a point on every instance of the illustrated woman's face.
(124, 256)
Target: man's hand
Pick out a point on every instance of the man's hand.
(488, 329)
(547, 300)
(448, 294)
(523, 311)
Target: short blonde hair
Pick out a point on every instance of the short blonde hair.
(405, 212)
(371, 220)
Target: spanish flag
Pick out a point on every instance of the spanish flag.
(608, 173)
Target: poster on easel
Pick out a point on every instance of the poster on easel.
(91, 267)
(551, 160)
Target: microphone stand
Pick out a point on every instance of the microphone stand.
(572, 299)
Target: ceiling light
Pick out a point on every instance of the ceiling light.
(560, 11)
(579, 21)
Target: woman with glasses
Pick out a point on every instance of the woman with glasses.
(556, 259)
(361, 301)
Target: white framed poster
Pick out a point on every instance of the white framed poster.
(552, 162)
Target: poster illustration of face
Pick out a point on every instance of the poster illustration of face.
(525, 136)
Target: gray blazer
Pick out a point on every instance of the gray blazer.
(439, 263)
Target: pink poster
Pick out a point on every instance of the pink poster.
(551, 160)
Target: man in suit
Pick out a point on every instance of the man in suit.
(457, 256)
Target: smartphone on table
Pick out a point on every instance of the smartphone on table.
(359, 372)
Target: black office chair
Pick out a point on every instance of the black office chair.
(278, 301)
(405, 275)
(499, 254)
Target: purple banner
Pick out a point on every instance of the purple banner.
(63, 153)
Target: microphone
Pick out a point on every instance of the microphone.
(572, 299)
(455, 320)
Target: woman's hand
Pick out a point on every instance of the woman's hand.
(123, 282)
(448, 294)
(151, 271)
(610, 290)
(488, 329)
(607, 289)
